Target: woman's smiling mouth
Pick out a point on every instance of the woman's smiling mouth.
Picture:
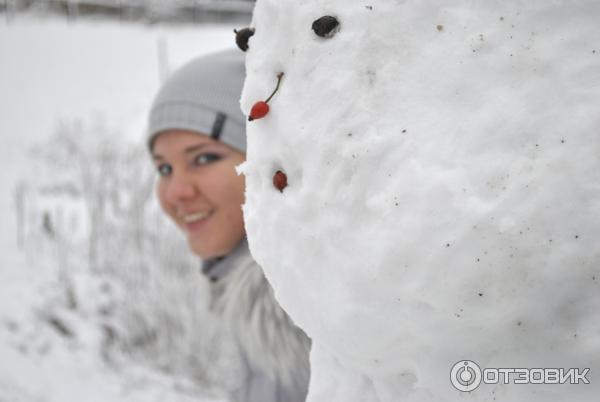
(193, 221)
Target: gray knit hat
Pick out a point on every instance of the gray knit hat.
(203, 97)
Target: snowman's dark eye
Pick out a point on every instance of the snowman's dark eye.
(242, 36)
(326, 26)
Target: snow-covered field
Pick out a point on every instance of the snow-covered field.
(82, 74)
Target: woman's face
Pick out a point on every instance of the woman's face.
(200, 190)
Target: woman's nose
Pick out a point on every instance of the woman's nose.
(182, 187)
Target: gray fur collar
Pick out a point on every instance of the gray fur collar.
(243, 297)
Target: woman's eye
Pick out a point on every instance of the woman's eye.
(164, 169)
(204, 159)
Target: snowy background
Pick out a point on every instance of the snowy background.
(99, 299)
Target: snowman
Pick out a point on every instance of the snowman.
(423, 192)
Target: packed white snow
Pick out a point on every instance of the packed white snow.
(443, 197)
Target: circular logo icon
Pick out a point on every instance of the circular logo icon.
(465, 375)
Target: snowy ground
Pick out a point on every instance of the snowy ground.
(53, 70)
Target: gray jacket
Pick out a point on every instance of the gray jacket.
(274, 352)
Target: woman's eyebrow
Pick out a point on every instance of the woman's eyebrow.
(194, 148)
(188, 150)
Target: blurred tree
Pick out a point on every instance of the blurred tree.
(135, 274)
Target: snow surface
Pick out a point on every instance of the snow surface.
(443, 198)
(52, 71)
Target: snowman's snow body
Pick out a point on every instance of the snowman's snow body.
(443, 190)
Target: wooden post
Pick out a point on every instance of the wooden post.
(72, 9)
(163, 58)
(7, 10)
(20, 206)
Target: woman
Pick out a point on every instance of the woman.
(197, 138)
